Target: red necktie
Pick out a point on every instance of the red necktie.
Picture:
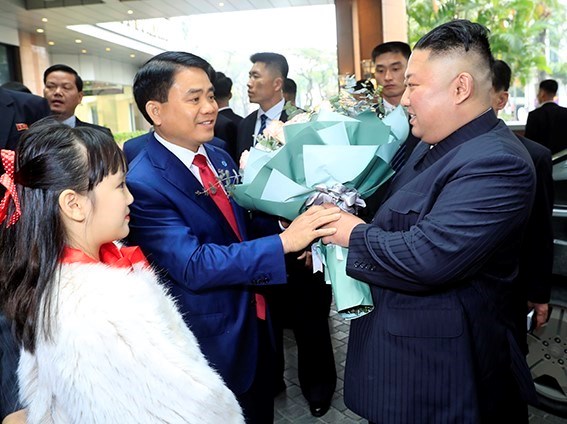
(215, 190)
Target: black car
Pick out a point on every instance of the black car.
(547, 356)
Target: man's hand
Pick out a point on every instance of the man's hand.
(344, 227)
(18, 417)
(308, 227)
(541, 312)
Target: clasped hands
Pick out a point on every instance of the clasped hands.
(325, 221)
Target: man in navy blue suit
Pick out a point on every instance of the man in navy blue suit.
(198, 236)
(441, 253)
(17, 112)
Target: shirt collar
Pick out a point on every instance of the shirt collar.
(184, 155)
(274, 112)
(71, 121)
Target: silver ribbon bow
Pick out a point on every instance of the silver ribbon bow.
(348, 199)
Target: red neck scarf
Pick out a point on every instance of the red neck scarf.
(110, 254)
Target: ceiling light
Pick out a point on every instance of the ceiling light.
(114, 38)
(132, 55)
(84, 51)
(130, 12)
(43, 19)
(221, 4)
(107, 49)
(40, 30)
(51, 43)
(78, 41)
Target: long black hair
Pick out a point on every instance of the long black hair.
(50, 158)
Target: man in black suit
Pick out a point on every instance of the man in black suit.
(63, 89)
(304, 303)
(536, 254)
(226, 125)
(548, 124)
(17, 112)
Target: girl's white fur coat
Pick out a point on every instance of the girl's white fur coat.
(120, 353)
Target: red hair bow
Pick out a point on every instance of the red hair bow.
(7, 180)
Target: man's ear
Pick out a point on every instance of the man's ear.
(464, 87)
(153, 108)
(72, 205)
(278, 83)
(501, 100)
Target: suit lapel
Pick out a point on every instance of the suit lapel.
(177, 174)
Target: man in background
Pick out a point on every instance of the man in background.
(536, 255)
(226, 125)
(290, 91)
(548, 123)
(63, 89)
(304, 303)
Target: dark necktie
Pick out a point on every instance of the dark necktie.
(215, 190)
(263, 119)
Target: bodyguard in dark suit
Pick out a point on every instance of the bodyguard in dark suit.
(304, 303)
(548, 123)
(17, 112)
(536, 255)
(226, 126)
(189, 228)
(63, 89)
(442, 251)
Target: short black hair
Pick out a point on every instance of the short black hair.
(67, 69)
(272, 60)
(550, 86)
(458, 35)
(501, 76)
(155, 78)
(391, 47)
(289, 86)
(223, 85)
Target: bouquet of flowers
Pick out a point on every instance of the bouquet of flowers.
(339, 154)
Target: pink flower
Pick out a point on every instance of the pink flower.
(244, 159)
(300, 118)
(275, 130)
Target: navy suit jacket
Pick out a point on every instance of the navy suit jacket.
(207, 269)
(135, 145)
(227, 130)
(440, 256)
(547, 125)
(17, 112)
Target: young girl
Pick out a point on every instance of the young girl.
(102, 341)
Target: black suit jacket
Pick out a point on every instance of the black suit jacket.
(17, 112)
(227, 130)
(229, 113)
(547, 125)
(79, 123)
(246, 127)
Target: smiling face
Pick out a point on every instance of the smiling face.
(389, 73)
(188, 117)
(428, 96)
(62, 94)
(107, 211)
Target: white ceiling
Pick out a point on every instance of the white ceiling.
(13, 14)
